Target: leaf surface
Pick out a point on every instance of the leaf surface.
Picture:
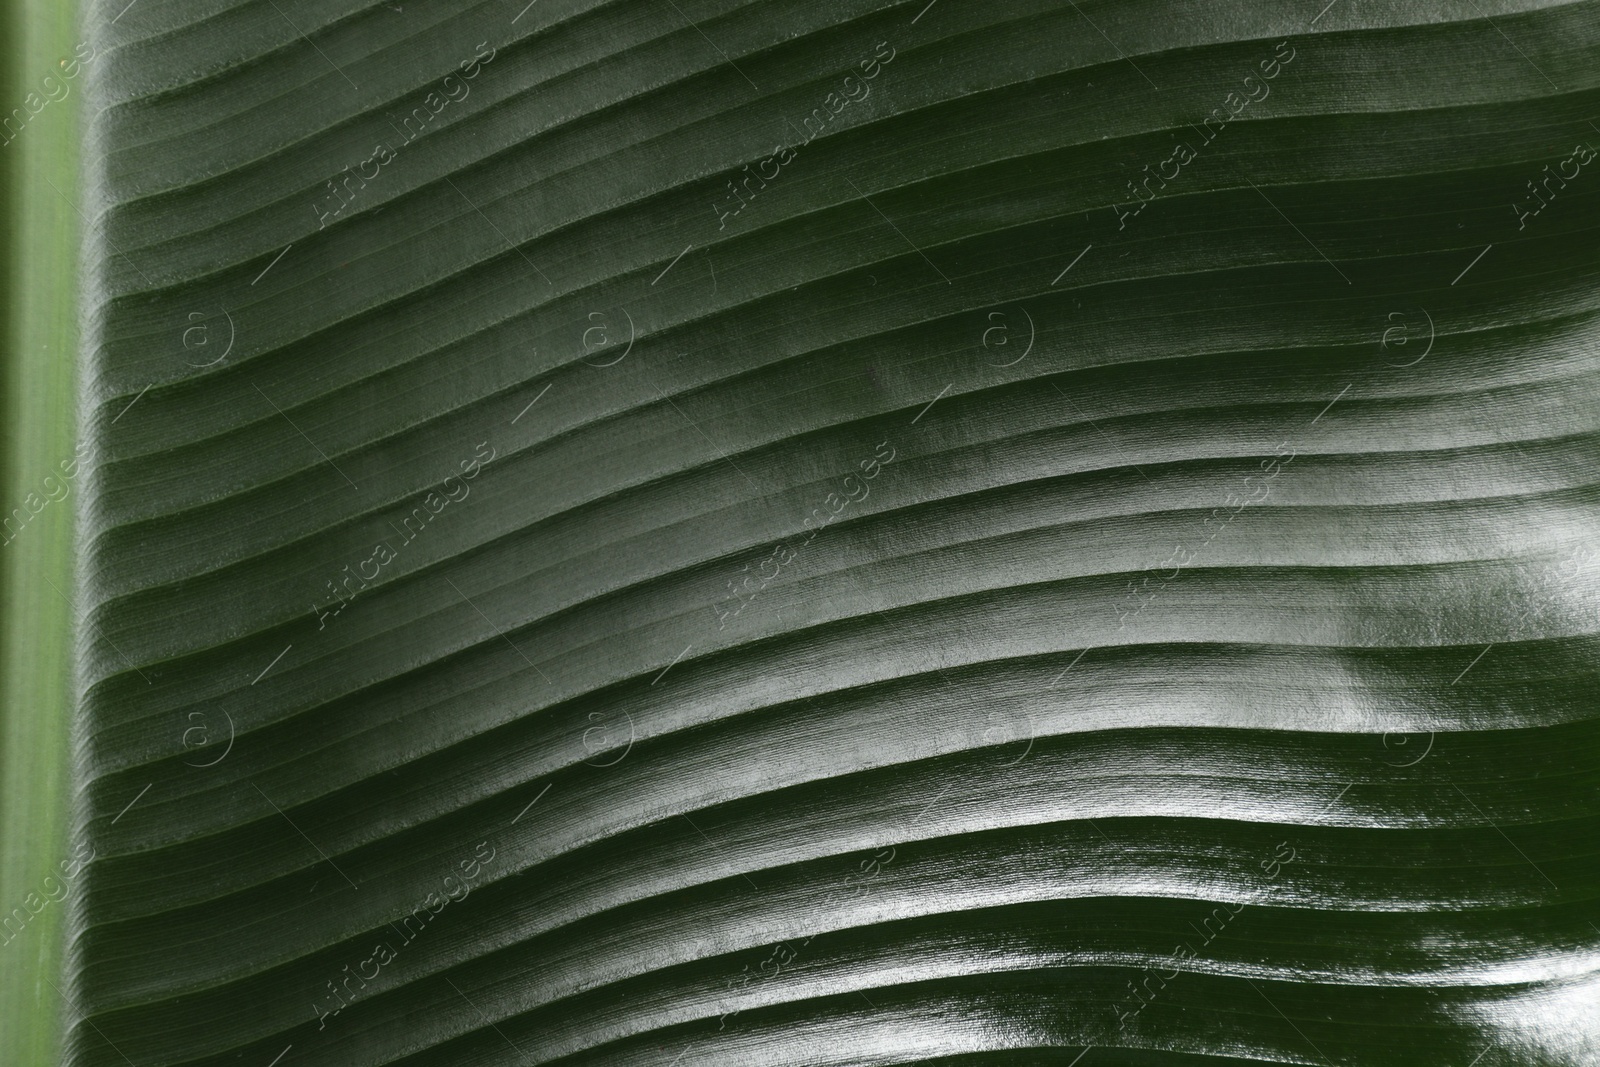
(840, 533)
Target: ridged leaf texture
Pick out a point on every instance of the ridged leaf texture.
(848, 532)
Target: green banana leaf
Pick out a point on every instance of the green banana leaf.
(863, 532)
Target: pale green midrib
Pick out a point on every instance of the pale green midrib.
(36, 638)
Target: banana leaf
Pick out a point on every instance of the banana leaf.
(859, 532)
